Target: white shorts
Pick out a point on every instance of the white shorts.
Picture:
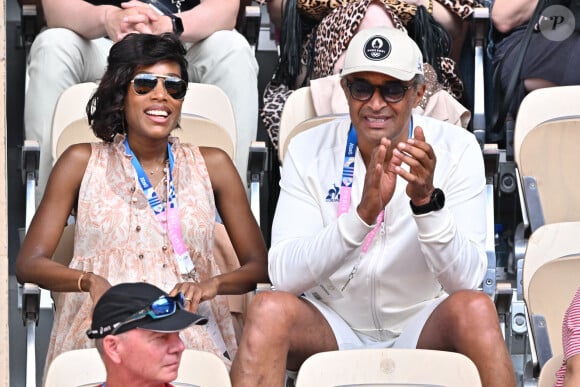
(347, 338)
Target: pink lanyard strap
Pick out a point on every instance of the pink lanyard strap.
(167, 217)
(346, 193)
(346, 186)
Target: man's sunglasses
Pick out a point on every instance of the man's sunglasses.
(162, 307)
(143, 83)
(391, 92)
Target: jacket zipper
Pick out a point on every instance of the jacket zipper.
(376, 258)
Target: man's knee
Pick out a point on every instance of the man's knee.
(272, 310)
(54, 40)
(224, 48)
(471, 309)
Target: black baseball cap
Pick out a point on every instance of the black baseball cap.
(124, 300)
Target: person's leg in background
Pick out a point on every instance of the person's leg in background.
(59, 58)
(225, 59)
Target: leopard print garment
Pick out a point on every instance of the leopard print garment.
(318, 9)
(331, 37)
(334, 33)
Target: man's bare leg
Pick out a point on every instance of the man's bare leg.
(280, 332)
(466, 322)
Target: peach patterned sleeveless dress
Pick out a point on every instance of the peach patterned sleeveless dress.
(118, 237)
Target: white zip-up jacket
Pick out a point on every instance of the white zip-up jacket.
(412, 259)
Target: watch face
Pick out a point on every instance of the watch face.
(437, 202)
(177, 25)
(438, 199)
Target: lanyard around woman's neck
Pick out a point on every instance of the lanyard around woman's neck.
(346, 191)
(167, 217)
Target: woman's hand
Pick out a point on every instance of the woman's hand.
(195, 293)
(97, 286)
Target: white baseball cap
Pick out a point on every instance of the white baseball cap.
(383, 50)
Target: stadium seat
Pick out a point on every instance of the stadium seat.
(550, 279)
(298, 115)
(388, 367)
(84, 367)
(204, 105)
(544, 152)
(546, 130)
(548, 373)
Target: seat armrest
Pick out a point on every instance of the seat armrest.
(249, 20)
(533, 203)
(30, 160)
(264, 287)
(258, 167)
(541, 339)
(31, 21)
(491, 162)
(30, 299)
(480, 27)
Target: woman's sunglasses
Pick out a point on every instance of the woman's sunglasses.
(144, 83)
(391, 92)
(162, 307)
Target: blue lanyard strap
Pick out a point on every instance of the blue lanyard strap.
(350, 153)
(145, 183)
(168, 218)
(346, 193)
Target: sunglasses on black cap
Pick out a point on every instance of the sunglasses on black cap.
(391, 92)
(162, 307)
(144, 83)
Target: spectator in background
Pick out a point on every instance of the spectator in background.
(80, 33)
(315, 36)
(548, 62)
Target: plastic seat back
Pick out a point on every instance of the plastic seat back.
(388, 367)
(548, 372)
(547, 152)
(550, 275)
(207, 118)
(543, 105)
(84, 367)
(81, 367)
(298, 115)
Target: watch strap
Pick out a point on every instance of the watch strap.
(435, 204)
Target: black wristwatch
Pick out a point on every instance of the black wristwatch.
(435, 204)
(177, 25)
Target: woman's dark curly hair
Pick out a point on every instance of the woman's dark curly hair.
(105, 109)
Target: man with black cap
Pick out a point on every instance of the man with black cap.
(136, 327)
(378, 237)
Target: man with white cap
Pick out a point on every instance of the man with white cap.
(378, 237)
(136, 327)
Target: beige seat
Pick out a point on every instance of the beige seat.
(548, 372)
(84, 367)
(298, 115)
(547, 132)
(388, 367)
(207, 118)
(551, 277)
